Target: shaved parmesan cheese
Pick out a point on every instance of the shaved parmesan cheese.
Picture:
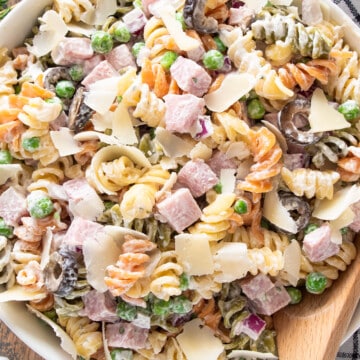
(256, 5)
(247, 354)
(292, 262)
(238, 149)
(345, 219)
(88, 208)
(104, 9)
(46, 246)
(81, 29)
(122, 127)
(20, 293)
(323, 117)
(99, 252)
(227, 180)
(194, 253)
(102, 122)
(110, 84)
(66, 342)
(282, 2)
(183, 41)
(93, 135)
(332, 209)
(9, 171)
(231, 262)
(234, 86)
(173, 145)
(64, 142)
(52, 30)
(100, 100)
(198, 341)
(200, 151)
(276, 213)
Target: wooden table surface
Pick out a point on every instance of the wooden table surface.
(10, 345)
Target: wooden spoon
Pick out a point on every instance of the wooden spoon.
(314, 329)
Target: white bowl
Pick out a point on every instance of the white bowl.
(26, 326)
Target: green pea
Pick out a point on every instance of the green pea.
(350, 109)
(65, 89)
(315, 282)
(219, 44)
(101, 42)
(241, 207)
(76, 72)
(184, 281)
(121, 354)
(218, 188)
(180, 17)
(168, 59)
(256, 109)
(5, 230)
(310, 227)
(295, 294)
(5, 157)
(181, 305)
(122, 34)
(40, 207)
(31, 144)
(160, 307)
(213, 60)
(126, 311)
(137, 47)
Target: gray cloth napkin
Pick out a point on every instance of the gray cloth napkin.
(350, 349)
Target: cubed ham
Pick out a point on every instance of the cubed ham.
(12, 206)
(72, 50)
(135, 20)
(101, 71)
(179, 209)
(197, 53)
(126, 335)
(198, 177)
(182, 111)
(272, 300)
(78, 189)
(89, 64)
(355, 225)
(220, 161)
(254, 287)
(242, 16)
(311, 13)
(81, 230)
(120, 57)
(99, 306)
(190, 76)
(317, 244)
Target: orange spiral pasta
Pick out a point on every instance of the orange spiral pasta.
(130, 267)
(349, 166)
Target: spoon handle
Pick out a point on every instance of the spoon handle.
(314, 328)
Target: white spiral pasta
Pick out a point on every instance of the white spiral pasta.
(266, 261)
(165, 278)
(8, 78)
(73, 9)
(6, 268)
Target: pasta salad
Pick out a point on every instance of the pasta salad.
(174, 172)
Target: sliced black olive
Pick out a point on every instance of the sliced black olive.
(298, 209)
(61, 272)
(194, 17)
(79, 112)
(293, 117)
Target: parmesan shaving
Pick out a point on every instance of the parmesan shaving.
(172, 145)
(238, 149)
(52, 30)
(323, 117)
(122, 126)
(276, 213)
(183, 41)
(20, 293)
(332, 209)
(227, 180)
(89, 208)
(194, 253)
(256, 5)
(9, 171)
(292, 262)
(46, 247)
(93, 135)
(234, 86)
(231, 262)
(67, 343)
(64, 142)
(198, 341)
(99, 100)
(345, 219)
(104, 121)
